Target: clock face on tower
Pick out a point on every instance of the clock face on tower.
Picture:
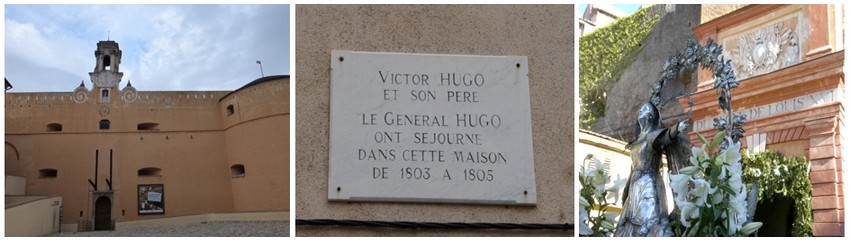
(104, 111)
(105, 79)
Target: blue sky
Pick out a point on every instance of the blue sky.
(626, 8)
(164, 47)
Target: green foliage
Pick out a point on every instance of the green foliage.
(603, 56)
(787, 176)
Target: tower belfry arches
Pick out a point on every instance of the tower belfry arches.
(106, 73)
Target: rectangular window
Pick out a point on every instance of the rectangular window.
(104, 95)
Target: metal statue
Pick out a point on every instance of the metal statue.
(644, 198)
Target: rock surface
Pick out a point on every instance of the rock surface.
(669, 35)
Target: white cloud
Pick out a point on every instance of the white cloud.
(165, 47)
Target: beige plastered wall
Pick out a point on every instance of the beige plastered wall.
(32, 215)
(543, 33)
(711, 11)
(257, 137)
(194, 145)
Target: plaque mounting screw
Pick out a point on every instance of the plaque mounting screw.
(341, 58)
(338, 188)
(517, 65)
(524, 192)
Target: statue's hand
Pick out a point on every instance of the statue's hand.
(682, 126)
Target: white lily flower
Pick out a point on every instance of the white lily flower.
(738, 204)
(698, 155)
(583, 218)
(716, 198)
(679, 184)
(735, 182)
(599, 164)
(689, 211)
(701, 190)
(732, 154)
(614, 190)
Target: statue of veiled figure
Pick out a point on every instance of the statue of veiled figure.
(644, 198)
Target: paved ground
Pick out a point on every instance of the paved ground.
(209, 229)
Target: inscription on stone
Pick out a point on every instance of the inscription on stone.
(430, 128)
(779, 107)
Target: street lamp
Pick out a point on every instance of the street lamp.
(261, 68)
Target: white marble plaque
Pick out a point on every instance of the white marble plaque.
(430, 128)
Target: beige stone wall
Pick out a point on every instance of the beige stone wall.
(543, 33)
(169, 109)
(194, 145)
(712, 11)
(193, 170)
(257, 137)
(32, 216)
(15, 185)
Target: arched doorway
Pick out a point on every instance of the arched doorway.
(103, 214)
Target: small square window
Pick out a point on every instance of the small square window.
(230, 110)
(104, 124)
(104, 95)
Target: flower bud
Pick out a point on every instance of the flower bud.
(609, 225)
(751, 228)
(690, 170)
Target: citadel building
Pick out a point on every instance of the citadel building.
(117, 157)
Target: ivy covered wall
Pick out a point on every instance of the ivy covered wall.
(783, 176)
(603, 56)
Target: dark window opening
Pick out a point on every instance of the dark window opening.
(237, 170)
(104, 124)
(54, 127)
(47, 173)
(230, 110)
(104, 95)
(147, 126)
(150, 172)
(107, 62)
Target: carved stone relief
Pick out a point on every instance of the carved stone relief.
(130, 95)
(766, 49)
(80, 95)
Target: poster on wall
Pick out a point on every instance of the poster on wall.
(151, 199)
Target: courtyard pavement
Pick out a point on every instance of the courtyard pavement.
(206, 229)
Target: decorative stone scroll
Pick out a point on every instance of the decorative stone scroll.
(130, 95)
(81, 94)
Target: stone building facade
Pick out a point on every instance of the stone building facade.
(118, 155)
(789, 60)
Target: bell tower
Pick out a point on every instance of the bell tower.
(106, 76)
